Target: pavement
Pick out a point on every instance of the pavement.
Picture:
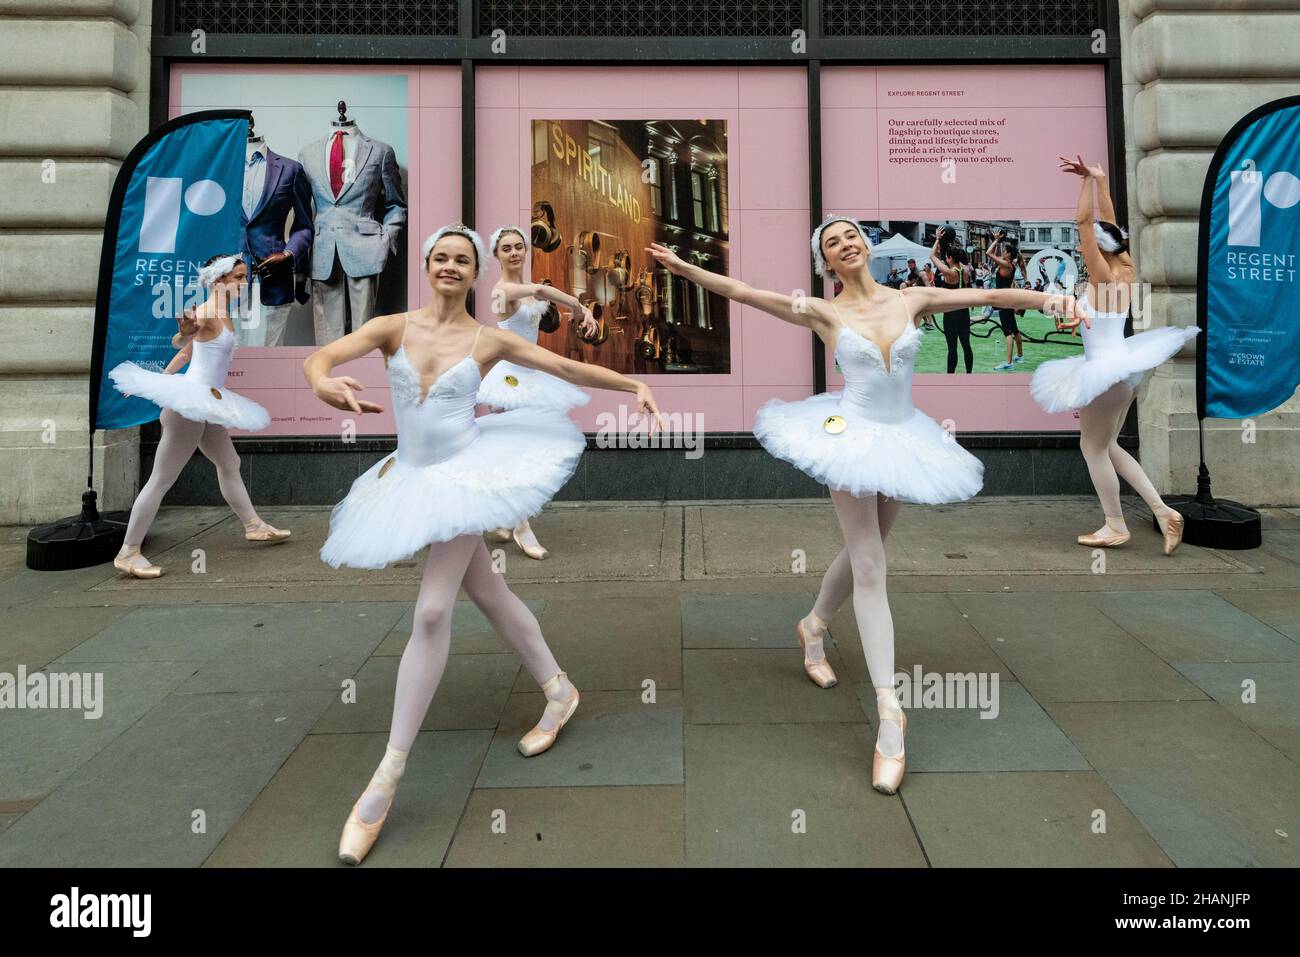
(1145, 711)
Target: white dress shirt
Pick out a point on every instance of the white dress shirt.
(254, 177)
(351, 141)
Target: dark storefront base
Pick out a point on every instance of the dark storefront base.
(318, 472)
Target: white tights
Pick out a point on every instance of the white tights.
(859, 570)
(1099, 425)
(180, 437)
(461, 562)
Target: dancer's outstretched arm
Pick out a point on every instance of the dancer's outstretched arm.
(807, 311)
(929, 299)
(382, 333)
(1098, 268)
(504, 292)
(506, 345)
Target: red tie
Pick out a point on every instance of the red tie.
(336, 163)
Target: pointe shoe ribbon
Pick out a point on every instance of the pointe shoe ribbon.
(887, 772)
(819, 671)
(561, 710)
(266, 532)
(1174, 525)
(358, 837)
(1104, 541)
(500, 534)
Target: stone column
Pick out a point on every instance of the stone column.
(1191, 69)
(74, 88)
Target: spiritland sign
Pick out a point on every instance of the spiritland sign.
(590, 171)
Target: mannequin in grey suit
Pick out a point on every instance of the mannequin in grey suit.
(360, 214)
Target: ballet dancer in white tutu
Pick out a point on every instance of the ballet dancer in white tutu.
(452, 478)
(197, 411)
(868, 443)
(510, 386)
(1101, 383)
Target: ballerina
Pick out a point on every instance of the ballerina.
(1102, 383)
(452, 478)
(197, 411)
(868, 444)
(509, 386)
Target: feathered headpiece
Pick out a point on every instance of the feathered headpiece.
(459, 229)
(501, 231)
(1106, 239)
(819, 261)
(219, 267)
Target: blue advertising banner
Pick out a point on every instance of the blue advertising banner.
(175, 204)
(1248, 286)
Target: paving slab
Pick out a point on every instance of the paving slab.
(1026, 819)
(1279, 608)
(282, 829)
(40, 749)
(1208, 789)
(613, 644)
(790, 795)
(470, 632)
(1285, 543)
(1066, 649)
(761, 686)
(472, 694)
(612, 739)
(1274, 711)
(134, 804)
(1195, 626)
(572, 827)
(743, 621)
(1020, 736)
(34, 636)
(305, 647)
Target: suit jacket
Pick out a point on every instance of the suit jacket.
(286, 188)
(363, 224)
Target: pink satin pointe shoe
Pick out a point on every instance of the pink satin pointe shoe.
(531, 550)
(820, 671)
(887, 772)
(1104, 541)
(561, 710)
(358, 837)
(147, 570)
(1174, 525)
(266, 532)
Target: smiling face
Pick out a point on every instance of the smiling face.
(451, 264)
(843, 248)
(511, 249)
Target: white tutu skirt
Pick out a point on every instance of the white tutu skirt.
(912, 461)
(518, 462)
(1064, 384)
(508, 386)
(190, 398)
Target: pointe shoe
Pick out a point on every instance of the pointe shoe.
(266, 532)
(539, 739)
(887, 772)
(1174, 525)
(1104, 541)
(358, 837)
(532, 551)
(499, 534)
(135, 571)
(820, 672)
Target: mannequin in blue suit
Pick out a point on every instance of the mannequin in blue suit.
(284, 189)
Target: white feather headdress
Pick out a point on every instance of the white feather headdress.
(1105, 240)
(459, 229)
(819, 261)
(501, 231)
(210, 273)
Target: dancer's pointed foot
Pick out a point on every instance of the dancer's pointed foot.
(499, 535)
(527, 541)
(1172, 524)
(561, 702)
(260, 531)
(361, 829)
(811, 631)
(889, 759)
(1113, 533)
(131, 562)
